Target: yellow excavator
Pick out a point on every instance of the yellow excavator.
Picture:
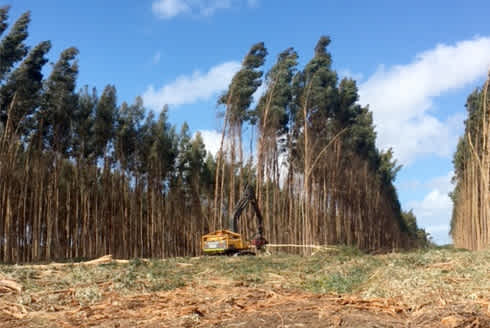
(230, 242)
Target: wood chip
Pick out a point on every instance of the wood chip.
(7, 285)
(451, 321)
(184, 264)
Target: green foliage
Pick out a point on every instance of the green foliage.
(12, 47)
(279, 94)
(59, 102)
(105, 119)
(472, 124)
(361, 137)
(126, 139)
(4, 10)
(83, 125)
(387, 168)
(420, 237)
(339, 282)
(243, 85)
(463, 159)
(346, 252)
(163, 150)
(316, 88)
(20, 95)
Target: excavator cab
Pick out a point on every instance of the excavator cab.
(230, 242)
(224, 242)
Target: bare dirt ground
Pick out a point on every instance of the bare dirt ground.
(234, 306)
(418, 290)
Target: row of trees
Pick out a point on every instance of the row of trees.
(319, 176)
(470, 224)
(83, 176)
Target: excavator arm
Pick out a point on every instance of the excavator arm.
(249, 197)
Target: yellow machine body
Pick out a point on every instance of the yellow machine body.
(224, 242)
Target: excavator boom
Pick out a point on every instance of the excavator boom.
(248, 197)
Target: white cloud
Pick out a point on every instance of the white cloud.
(401, 98)
(349, 74)
(409, 185)
(211, 139)
(167, 9)
(442, 183)
(253, 3)
(438, 228)
(434, 203)
(434, 211)
(187, 89)
(156, 57)
(208, 8)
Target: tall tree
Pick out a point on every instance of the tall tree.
(20, 96)
(60, 101)
(272, 114)
(237, 100)
(129, 121)
(105, 117)
(470, 227)
(83, 125)
(4, 10)
(12, 47)
(316, 96)
(58, 107)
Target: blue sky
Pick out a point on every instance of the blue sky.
(416, 62)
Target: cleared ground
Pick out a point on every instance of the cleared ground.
(332, 288)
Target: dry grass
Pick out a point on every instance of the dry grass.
(439, 275)
(410, 282)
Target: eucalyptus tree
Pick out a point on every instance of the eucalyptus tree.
(58, 105)
(20, 95)
(315, 98)
(470, 227)
(272, 115)
(164, 150)
(128, 123)
(20, 92)
(237, 100)
(105, 120)
(16, 86)
(59, 102)
(183, 165)
(20, 87)
(190, 168)
(85, 173)
(418, 236)
(12, 47)
(162, 159)
(84, 142)
(196, 158)
(103, 129)
(3, 18)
